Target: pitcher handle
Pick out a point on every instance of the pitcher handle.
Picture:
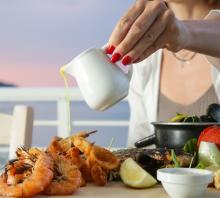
(130, 71)
(104, 46)
(130, 66)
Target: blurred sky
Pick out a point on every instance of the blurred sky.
(39, 36)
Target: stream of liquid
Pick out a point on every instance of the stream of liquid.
(64, 77)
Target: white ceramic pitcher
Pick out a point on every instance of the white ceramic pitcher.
(101, 82)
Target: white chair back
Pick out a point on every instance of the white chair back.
(16, 129)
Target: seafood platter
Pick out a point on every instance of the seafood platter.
(75, 166)
(68, 165)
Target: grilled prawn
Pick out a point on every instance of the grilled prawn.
(27, 175)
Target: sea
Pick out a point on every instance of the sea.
(79, 112)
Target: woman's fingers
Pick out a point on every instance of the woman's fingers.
(124, 24)
(146, 27)
(149, 37)
(153, 48)
(139, 28)
(158, 44)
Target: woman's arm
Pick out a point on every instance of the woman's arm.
(150, 25)
(205, 35)
(214, 15)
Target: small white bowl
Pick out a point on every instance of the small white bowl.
(184, 182)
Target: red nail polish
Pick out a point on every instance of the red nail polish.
(126, 60)
(115, 57)
(110, 49)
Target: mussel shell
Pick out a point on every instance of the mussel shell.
(207, 118)
(150, 159)
(214, 111)
(153, 159)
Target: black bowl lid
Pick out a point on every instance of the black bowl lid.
(163, 123)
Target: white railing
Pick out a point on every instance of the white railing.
(55, 95)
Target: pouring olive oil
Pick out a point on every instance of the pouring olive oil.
(101, 83)
(67, 98)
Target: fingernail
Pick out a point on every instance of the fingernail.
(110, 49)
(126, 60)
(115, 57)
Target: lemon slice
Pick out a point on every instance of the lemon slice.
(135, 176)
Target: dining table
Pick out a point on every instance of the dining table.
(118, 189)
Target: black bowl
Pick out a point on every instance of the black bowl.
(173, 135)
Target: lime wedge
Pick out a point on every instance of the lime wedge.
(135, 176)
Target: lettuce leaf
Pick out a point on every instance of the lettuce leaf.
(191, 146)
(209, 154)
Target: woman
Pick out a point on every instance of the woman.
(167, 42)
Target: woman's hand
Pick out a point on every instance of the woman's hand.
(146, 27)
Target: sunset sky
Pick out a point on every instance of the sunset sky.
(39, 36)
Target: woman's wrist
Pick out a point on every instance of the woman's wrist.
(188, 34)
(202, 36)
